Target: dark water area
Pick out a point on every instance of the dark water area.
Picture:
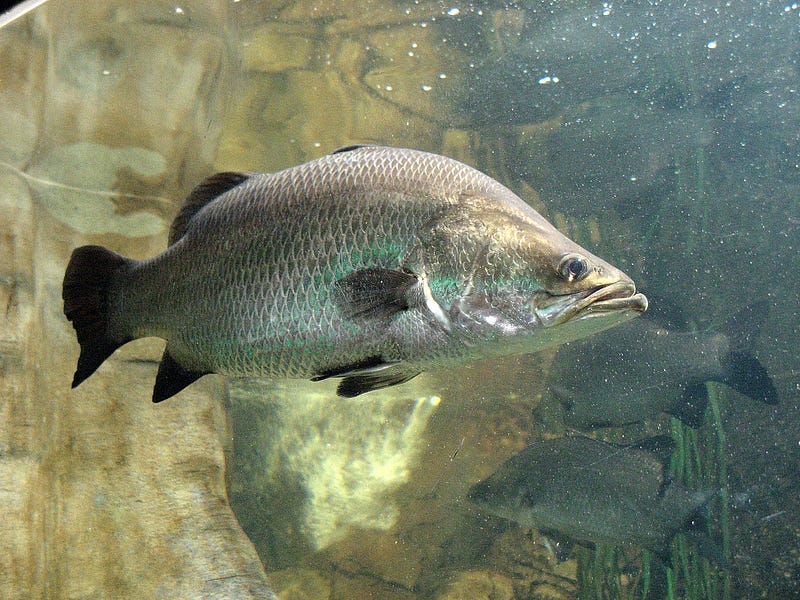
(662, 136)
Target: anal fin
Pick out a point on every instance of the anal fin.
(172, 378)
(692, 409)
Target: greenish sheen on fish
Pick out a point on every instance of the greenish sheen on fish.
(372, 264)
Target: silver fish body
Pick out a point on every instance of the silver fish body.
(371, 263)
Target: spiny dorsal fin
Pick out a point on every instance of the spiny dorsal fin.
(208, 189)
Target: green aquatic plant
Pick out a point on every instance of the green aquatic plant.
(699, 462)
(599, 574)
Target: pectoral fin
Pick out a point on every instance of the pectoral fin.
(374, 293)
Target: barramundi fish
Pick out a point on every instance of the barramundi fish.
(655, 365)
(597, 492)
(372, 264)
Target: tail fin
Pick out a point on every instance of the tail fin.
(696, 530)
(747, 376)
(85, 292)
(741, 369)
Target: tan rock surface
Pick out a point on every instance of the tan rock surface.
(104, 495)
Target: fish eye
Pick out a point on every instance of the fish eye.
(573, 267)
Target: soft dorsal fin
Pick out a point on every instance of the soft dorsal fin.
(208, 189)
(350, 148)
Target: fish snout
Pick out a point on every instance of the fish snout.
(614, 298)
(617, 296)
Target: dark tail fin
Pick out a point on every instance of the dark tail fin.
(747, 376)
(85, 293)
(741, 369)
(696, 531)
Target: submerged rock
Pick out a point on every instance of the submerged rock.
(310, 466)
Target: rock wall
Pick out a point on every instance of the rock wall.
(105, 495)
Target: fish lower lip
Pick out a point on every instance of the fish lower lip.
(612, 298)
(616, 297)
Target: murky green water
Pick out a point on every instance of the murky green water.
(664, 138)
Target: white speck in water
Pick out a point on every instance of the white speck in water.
(426, 87)
(712, 44)
(545, 80)
(453, 12)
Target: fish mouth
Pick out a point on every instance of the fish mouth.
(615, 298)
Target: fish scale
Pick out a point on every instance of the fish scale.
(371, 263)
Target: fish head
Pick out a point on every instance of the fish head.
(523, 278)
(511, 492)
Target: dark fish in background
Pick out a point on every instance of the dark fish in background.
(588, 51)
(650, 366)
(597, 492)
(629, 157)
(371, 264)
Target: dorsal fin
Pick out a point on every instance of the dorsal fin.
(208, 189)
(350, 148)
